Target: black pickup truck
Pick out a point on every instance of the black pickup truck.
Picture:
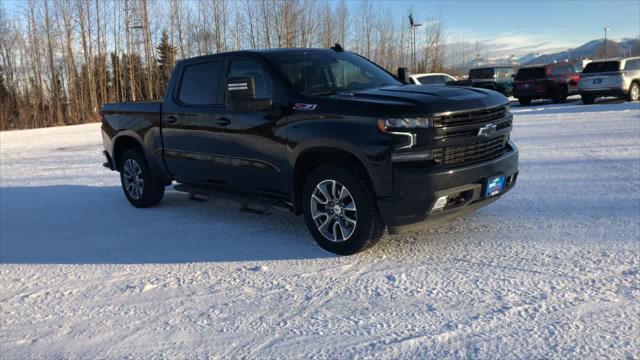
(323, 132)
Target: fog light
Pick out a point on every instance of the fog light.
(440, 203)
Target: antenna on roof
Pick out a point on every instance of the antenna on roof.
(337, 47)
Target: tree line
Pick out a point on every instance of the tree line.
(60, 60)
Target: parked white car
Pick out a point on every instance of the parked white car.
(611, 77)
(430, 79)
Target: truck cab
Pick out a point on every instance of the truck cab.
(322, 132)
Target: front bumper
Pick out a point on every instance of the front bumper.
(417, 188)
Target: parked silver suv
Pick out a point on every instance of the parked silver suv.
(611, 77)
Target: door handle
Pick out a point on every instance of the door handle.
(172, 120)
(223, 121)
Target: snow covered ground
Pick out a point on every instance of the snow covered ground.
(550, 270)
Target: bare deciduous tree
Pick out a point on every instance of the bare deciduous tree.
(60, 60)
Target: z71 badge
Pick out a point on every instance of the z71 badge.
(304, 107)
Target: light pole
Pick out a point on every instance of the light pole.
(413, 26)
(606, 28)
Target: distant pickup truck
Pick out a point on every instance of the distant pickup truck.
(553, 81)
(323, 132)
(497, 78)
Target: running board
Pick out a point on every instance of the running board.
(249, 203)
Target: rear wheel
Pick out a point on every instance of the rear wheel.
(524, 101)
(560, 95)
(138, 182)
(588, 99)
(634, 92)
(340, 210)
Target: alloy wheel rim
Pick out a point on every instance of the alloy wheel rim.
(333, 210)
(635, 92)
(132, 177)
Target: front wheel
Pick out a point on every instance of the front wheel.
(340, 210)
(138, 182)
(524, 101)
(560, 95)
(634, 92)
(588, 99)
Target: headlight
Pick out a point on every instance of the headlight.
(389, 124)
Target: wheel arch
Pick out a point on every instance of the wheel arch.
(123, 143)
(311, 158)
(130, 140)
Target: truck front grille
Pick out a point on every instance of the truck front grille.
(453, 134)
(470, 153)
(470, 117)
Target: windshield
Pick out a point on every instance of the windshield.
(432, 79)
(531, 73)
(326, 73)
(485, 73)
(601, 66)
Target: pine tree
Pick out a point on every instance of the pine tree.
(166, 60)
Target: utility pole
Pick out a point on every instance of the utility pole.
(606, 28)
(413, 27)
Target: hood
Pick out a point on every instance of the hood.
(420, 99)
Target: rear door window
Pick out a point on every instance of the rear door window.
(601, 66)
(485, 73)
(632, 64)
(531, 74)
(561, 69)
(432, 79)
(503, 73)
(200, 84)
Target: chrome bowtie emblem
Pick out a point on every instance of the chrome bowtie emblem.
(487, 130)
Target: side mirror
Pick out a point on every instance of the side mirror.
(403, 75)
(241, 95)
(241, 88)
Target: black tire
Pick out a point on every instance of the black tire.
(369, 225)
(151, 192)
(588, 99)
(524, 101)
(561, 94)
(634, 92)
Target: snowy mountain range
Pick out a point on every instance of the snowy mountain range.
(586, 50)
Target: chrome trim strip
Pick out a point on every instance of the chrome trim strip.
(411, 136)
(448, 113)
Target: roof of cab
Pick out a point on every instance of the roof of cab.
(279, 51)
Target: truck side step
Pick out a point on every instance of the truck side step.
(247, 202)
